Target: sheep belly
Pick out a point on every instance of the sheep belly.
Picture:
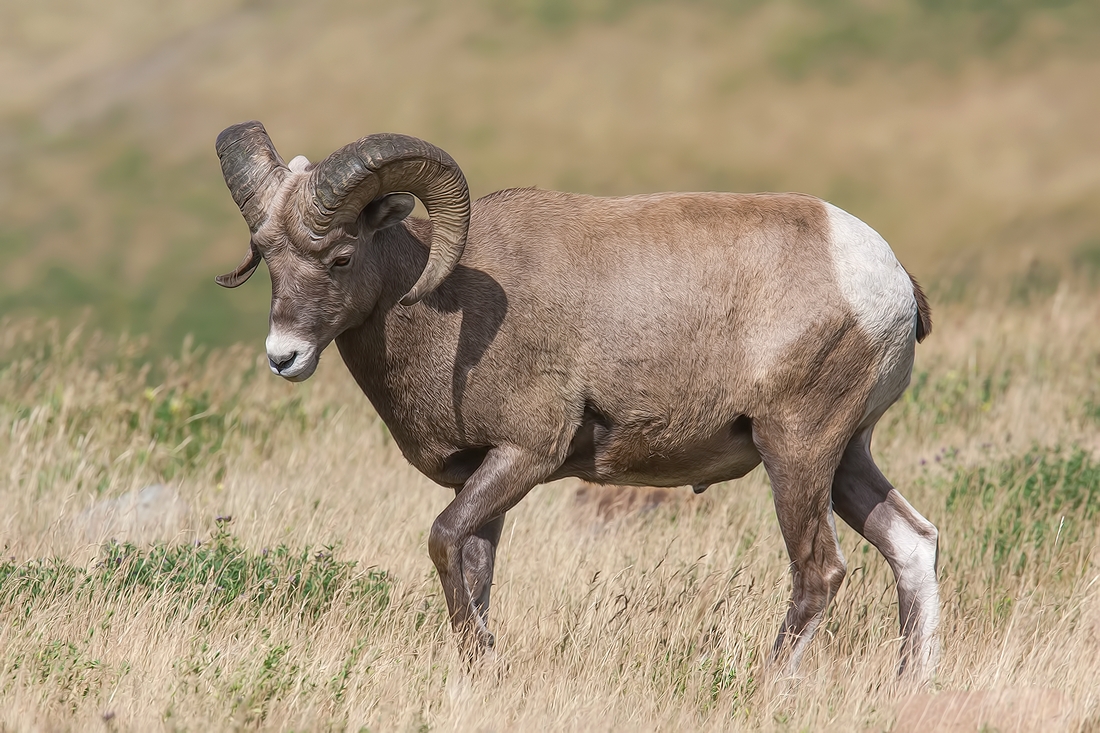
(650, 454)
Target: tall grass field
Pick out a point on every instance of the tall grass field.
(188, 543)
(294, 591)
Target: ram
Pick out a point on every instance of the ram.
(664, 340)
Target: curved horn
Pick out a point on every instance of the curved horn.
(356, 174)
(244, 270)
(252, 169)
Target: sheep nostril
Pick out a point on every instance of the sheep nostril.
(284, 363)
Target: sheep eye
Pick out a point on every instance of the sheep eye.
(341, 261)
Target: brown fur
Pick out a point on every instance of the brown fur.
(659, 340)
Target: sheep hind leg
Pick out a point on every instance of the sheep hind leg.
(866, 501)
(467, 530)
(801, 482)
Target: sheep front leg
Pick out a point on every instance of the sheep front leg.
(463, 539)
(478, 561)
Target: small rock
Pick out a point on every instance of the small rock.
(154, 512)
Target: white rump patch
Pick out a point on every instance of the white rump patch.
(880, 294)
(871, 279)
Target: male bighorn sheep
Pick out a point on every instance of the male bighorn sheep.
(665, 340)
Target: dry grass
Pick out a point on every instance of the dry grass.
(656, 619)
(965, 132)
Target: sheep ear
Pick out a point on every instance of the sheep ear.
(244, 270)
(387, 210)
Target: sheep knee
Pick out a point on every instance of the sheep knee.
(443, 546)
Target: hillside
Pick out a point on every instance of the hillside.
(964, 131)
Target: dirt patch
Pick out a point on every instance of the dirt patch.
(1005, 711)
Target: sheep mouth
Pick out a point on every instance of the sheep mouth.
(291, 357)
(302, 369)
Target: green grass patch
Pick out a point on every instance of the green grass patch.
(213, 577)
(157, 416)
(1038, 282)
(1020, 510)
(838, 37)
(1086, 260)
(68, 671)
(281, 593)
(954, 396)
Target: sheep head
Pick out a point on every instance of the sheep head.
(311, 223)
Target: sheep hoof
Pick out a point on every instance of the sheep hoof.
(700, 488)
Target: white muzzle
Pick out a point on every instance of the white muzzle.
(290, 357)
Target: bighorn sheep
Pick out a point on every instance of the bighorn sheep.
(665, 340)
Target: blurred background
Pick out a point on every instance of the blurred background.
(966, 131)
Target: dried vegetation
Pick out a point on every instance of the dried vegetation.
(296, 593)
(291, 588)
